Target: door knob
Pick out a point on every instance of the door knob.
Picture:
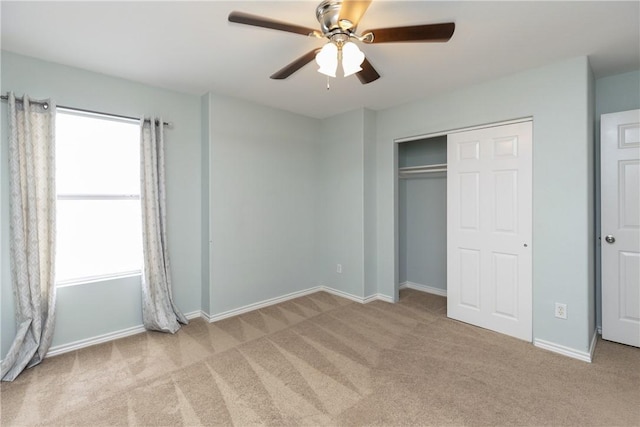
(610, 239)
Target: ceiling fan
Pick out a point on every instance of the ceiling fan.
(338, 23)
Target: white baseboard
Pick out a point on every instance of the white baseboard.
(194, 314)
(342, 294)
(293, 295)
(205, 316)
(355, 298)
(424, 288)
(378, 297)
(262, 304)
(77, 345)
(99, 339)
(365, 300)
(592, 346)
(585, 356)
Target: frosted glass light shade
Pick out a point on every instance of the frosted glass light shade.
(352, 58)
(327, 59)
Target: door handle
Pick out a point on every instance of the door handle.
(610, 239)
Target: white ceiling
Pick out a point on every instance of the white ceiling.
(190, 47)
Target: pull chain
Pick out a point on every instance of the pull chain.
(328, 83)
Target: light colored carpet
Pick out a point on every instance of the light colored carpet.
(324, 360)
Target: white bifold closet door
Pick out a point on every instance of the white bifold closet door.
(489, 210)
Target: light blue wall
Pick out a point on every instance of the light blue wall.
(422, 230)
(427, 151)
(422, 215)
(93, 309)
(370, 219)
(263, 191)
(347, 225)
(616, 93)
(556, 96)
(620, 92)
(591, 173)
(204, 194)
(341, 209)
(87, 311)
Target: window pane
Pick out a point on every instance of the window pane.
(97, 238)
(96, 155)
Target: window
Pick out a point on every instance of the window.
(99, 221)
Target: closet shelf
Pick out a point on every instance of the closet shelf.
(413, 171)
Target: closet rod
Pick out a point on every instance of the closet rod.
(46, 105)
(440, 167)
(423, 171)
(413, 171)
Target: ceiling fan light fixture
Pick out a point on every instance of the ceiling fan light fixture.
(352, 58)
(327, 59)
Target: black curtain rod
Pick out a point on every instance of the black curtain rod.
(46, 105)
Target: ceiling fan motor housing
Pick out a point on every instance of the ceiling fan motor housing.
(328, 15)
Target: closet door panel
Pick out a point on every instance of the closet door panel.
(505, 148)
(468, 150)
(469, 278)
(489, 215)
(505, 289)
(505, 206)
(469, 191)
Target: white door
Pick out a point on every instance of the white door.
(620, 210)
(489, 206)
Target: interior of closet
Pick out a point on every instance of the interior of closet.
(422, 220)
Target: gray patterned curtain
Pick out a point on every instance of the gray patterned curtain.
(32, 231)
(159, 312)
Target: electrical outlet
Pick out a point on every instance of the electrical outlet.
(561, 310)
(339, 268)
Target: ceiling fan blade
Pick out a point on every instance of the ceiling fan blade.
(368, 73)
(295, 65)
(414, 33)
(259, 21)
(352, 10)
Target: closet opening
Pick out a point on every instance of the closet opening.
(422, 214)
